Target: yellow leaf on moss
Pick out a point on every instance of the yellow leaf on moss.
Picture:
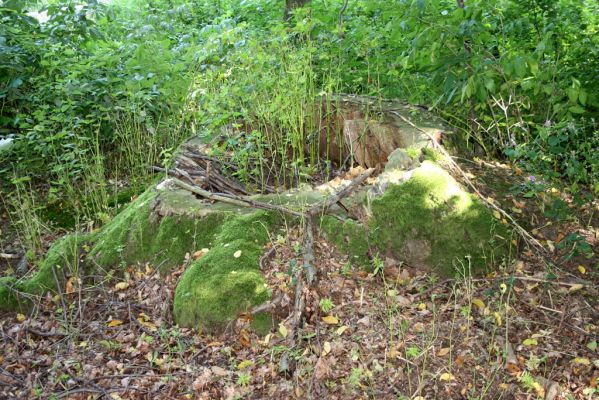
(237, 254)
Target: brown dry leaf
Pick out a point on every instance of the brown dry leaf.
(200, 253)
(512, 368)
(244, 338)
(322, 369)
(443, 352)
(70, 286)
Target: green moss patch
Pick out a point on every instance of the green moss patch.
(62, 260)
(227, 280)
(137, 235)
(349, 236)
(429, 221)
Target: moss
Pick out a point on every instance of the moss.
(262, 323)
(61, 260)
(349, 236)
(430, 220)
(429, 154)
(214, 289)
(135, 235)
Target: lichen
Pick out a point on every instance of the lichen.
(227, 280)
(430, 220)
(61, 260)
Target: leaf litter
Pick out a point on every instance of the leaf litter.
(527, 331)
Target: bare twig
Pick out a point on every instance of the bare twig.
(10, 256)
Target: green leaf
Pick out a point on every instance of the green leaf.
(576, 110)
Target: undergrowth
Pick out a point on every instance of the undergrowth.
(94, 93)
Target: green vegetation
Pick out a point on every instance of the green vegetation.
(227, 280)
(429, 221)
(61, 261)
(93, 94)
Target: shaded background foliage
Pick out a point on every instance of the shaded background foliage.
(82, 80)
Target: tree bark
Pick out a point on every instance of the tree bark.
(290, 5)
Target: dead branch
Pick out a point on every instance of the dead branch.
(235, 200)
(10, 256)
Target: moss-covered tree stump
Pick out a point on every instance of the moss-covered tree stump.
(414, 212)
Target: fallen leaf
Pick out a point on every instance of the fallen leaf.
(581, 361)
(446, 377)
(267, 339)
(115, 322)
(326, 348)
(575, 288)
(200, 253)
(530, 342)
(283, 330)
(237, 254)
(582, 269)
(330, 319)
(121, 286)
(245, 364)
(478, 303)
(69, 286)
(21, 317)
(244, 338)
(216, 370)
(341, 329)
(443, 352)
(498, 320)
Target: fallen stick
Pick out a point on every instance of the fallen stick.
(235, 200)
(10, 256)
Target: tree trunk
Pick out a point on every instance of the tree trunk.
(290, 5)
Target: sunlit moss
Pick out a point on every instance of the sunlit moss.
(431, 222)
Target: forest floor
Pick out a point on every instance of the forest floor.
(529, 330)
